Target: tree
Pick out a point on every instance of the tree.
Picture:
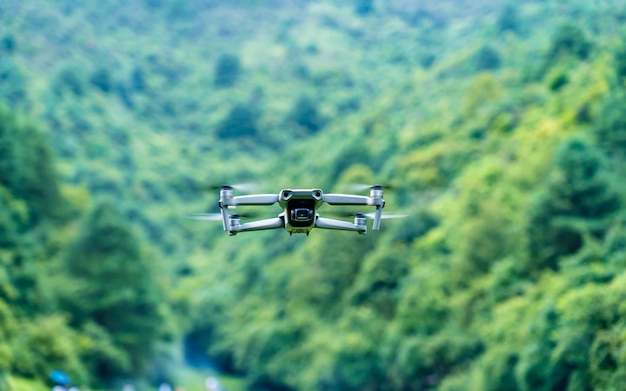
(487, 59)
(138, 80)
(570, 40)
(332, 267)
(8, 44)
(8, 331)
(69, 79)
(377, 284)
(240, 122)
(12, 83)
(363, 7)
(557, 79)
(305, 114)
(578, 200)
(508, 20)
(115, 286)
(47, 343)
(101, 79)
(619, 59)
(9, 220)
(482, 240)
(610, 126)
(27, 166)
(227, 70)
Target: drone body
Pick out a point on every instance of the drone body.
(299, 210)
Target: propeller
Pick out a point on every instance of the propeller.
(363, 187)
(206, 216)
(245, 187)
(372, 215)
(218, 216)
(387, 216)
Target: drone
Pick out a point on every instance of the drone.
(299, 211)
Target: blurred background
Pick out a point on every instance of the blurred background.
(499, 126)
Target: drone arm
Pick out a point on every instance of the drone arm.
(325, 223)
(254, 199)
(273, 223)
(347, 199)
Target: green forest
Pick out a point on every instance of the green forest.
(499, 128)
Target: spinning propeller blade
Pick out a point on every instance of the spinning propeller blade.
(206, 217)
(218, 216)
(386, 216)
(372, 215)
(361, 187)
(245, 187)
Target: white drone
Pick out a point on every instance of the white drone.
(299, 215)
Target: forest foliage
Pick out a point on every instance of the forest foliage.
(500, 128)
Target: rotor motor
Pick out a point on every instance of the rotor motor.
(234, 221)
(226, 195)
(361, 220)
(376, 192)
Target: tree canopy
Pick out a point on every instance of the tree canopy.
(498, 128)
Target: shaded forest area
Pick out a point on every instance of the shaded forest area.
(501, 129)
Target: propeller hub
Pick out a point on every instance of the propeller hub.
(226, 195)
(360, 219)
(376, 192)
(234, 221)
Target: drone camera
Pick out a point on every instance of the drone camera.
(301, 214)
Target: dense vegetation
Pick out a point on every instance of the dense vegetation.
(501, 128)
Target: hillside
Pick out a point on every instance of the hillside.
(499, 129)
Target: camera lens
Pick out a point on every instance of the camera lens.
(301, 214)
